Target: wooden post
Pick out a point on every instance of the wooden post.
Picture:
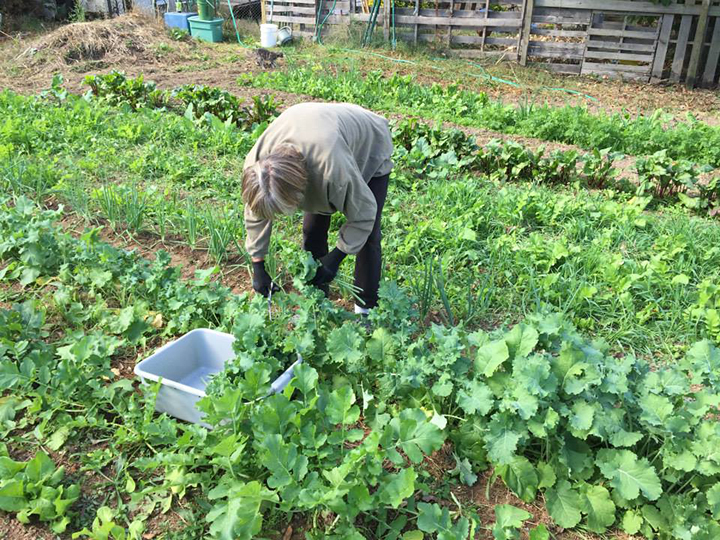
(450, 16)
(698, 45)
(417, 26)
(713, 56)
(386, 19)
(263, 12)
(484, 30)
(526, 28)
(681, 45)
(661, 47)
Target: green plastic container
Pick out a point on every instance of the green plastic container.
(206, 30)
(207, 9)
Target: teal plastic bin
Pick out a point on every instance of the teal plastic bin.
(206, 30)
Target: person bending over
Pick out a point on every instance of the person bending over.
(322, 158)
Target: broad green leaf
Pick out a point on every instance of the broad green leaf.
(430, 517)
(9, 468)
(306, 378)
(628, 474)
(435, 519)
(540, 533)
(509, 516)
(283, 461)
(398, 487)
(340, 407)
(12, 495)
(547, 475)
(525, 403)
(501, 441)
(521, 340)
(655, 409)
(622, 438)
(491, 356)
(225, 447)
(236, 514)
(598, 506)
(413, 434)
(381, 347)
(413, 535)
(58, 438)
(344, 345)
(703, 362)
(682, 461)
(631, 522)
(443, 386)
(520, 476)
(463, 468)
(582, 416)
(475, 398)
(39, 467)
(564, 505)
(713, 499)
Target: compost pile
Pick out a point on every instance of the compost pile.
(121, 38)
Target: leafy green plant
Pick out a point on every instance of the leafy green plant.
(178, 34)
(118, 90)
(707, 308)
(708, 197)
(263, 109)
(105, 528)
(558, 168)
(663, 177)
(77, 13)
(35, 488)
(198, 100)
(201, 100)
(510, 161)
(125, 204)
(598, 168)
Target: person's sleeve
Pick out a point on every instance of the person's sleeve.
(354, 198)
(257, 240)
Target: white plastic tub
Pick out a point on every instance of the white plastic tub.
(185, 367)
(268, 35)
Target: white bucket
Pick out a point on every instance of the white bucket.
(268, 35)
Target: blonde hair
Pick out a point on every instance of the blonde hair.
(275, 184)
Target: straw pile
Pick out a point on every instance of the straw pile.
(121, 38)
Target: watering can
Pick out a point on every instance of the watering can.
(284, 35)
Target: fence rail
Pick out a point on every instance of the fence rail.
(640, 40)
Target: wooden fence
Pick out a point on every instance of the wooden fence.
(639, 40)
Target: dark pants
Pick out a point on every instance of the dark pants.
(368, 263)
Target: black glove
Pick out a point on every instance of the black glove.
(330, 264)
(262, 283)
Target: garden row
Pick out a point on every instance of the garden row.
(474, 250)
(607, 441)
(435, 152)
(660, 175)
(634, 135)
